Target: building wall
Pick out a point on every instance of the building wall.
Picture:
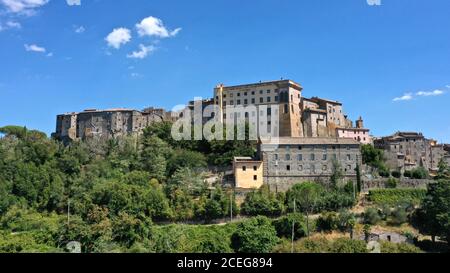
(287, 165)
(245, 173)
(356, 134)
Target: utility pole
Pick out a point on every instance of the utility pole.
(231, 205)
(68, 212)
(293, 229)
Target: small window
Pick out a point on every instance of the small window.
(349, 157)
(253, 101)
(255, 177)
(255, 168)
(276, 156)
(312, 157)
(244, 168)
(288, 157)
(300, 157)
(268, 99)
(261, 100)
(324, 157)
(238, 94)
(288, 168)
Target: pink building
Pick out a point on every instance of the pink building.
(359, 133)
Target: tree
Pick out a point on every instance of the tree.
(262, 202)
(371, 216)
(337, 175)
(434, 216)
(420, 173)
(284, 224)
(306, 196)
(443, 170)
(256, 235)
(154, 156)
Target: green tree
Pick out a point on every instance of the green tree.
(371, 216)
(306, 197)
(262, 202)
(256, 235)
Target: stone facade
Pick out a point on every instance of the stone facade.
(298, 116)
(248, 173)
(410, 150)
(106, 124)
(288, 161)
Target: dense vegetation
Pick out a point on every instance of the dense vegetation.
(124, 196)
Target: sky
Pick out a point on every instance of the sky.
(385, 60)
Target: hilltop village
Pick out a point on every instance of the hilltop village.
(314, 134)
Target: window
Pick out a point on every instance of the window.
(300, 157)
(288, 157)
(253, 101)
(268, 91)
(286, 108)
(244, 168)
(269, 111)
(349, 157)
(238, 94)
(255, 177)
(245, 93)
(255, 168)
(231, 102)
(288, 168)
(276, 98)
(312, 157)
(324, 157)
(275, 156)
(238, 102)
(300, 167)
(261, 100)
(253, 92)
(246, 101)
(268, 99)
(300, 147)
(261, 92)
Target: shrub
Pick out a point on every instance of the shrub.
(328, 221)
(389, 247)
(407, 174)
(399, 216)
(391, 183)
(396, 174)
(371, 216)
(344, 245)
(420, 173)
(284, 226)
(384, 172)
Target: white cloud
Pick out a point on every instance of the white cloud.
(34, 48)
(152, 26)
(73, 2)
(26, 7)
(79, 29)
(13, 24)
(405, 97)
(430, 93)
(143, 52)
(118, 37)
(448, 86)
(50, 54)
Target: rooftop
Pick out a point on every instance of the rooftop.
(263, 83)
(309, 141)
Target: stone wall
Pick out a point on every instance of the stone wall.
(380, 183)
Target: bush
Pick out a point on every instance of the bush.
(389, 247)
(262, 202)
(391, 183)
(399, 216)
(383, 172)
(407, 174)
(284, 226)
(328, 221)
(420, 173)
(396, 174)
(344, 245)
(371, 216)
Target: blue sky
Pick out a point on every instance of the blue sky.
(56, 57)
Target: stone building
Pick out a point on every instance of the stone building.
(106, 124)
(248, 173)
(283, 97)
(288, 161)
(297, 116)
(410, 150)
